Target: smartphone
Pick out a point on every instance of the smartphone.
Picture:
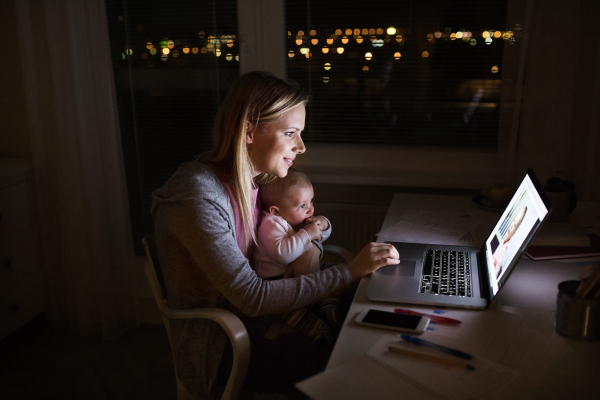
(390, 320)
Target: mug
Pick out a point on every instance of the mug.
(560, 197)
(561, 178)
(576, 318)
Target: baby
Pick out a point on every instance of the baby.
(288, 228)
(287, 231)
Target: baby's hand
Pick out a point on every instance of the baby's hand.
(322, 220)
(313, 228)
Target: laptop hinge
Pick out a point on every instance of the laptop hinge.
(484, 288)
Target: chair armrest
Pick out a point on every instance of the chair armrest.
(338, 251)
(228, 320)
(238, 335)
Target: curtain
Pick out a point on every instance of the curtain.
(86, 239)
(172, 64)
(560, 124)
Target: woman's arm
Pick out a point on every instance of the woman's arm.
(197, 244)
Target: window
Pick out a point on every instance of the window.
(173, 63)
(400, 72)
(402, 90)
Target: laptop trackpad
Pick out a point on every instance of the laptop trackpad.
(405, 268)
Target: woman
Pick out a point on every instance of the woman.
(206, 217)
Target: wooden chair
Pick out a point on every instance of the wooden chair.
(229, 322)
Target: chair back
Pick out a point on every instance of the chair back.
(152, 257)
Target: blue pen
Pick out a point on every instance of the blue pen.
(439, 347)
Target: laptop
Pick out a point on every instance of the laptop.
(464, 277)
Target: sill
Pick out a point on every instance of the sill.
(402, 166)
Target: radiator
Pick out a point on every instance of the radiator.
(353, 224)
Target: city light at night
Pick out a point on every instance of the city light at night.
(389, 40)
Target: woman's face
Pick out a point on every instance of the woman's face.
(274, 145)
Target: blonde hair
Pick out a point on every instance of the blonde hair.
(254, 97)
(273, 192)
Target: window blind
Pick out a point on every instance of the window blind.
(401, 72)
(173, 63)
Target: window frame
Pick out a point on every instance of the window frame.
(415, 166)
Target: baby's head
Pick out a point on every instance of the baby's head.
(289, 198)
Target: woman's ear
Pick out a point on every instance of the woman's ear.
(250, 131)
(273, 210)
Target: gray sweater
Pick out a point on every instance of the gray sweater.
(204, 267)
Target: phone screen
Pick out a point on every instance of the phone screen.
(392, 319)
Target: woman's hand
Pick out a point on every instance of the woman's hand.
(372, 257)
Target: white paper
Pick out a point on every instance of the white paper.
(527, 344)
(511, 362)
(361, 378)
(435, 227)
(445, 381)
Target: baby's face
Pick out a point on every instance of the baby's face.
(511, 230)
(297, 206)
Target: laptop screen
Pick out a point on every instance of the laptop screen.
(515, 228)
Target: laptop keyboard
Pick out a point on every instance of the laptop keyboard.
(446, 272)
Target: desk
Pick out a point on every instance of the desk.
(518, 330)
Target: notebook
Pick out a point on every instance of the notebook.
(464, 277)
